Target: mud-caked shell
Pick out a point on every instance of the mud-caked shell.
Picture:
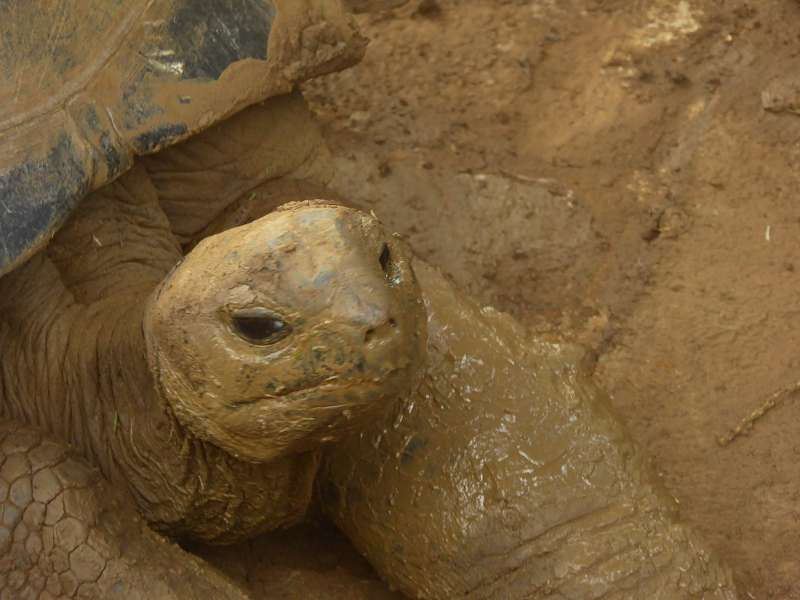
(87, 86)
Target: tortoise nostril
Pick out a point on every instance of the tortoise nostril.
(385, 258)
(385, 330)
(390, 267)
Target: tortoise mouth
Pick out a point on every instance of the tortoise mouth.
(325, 386)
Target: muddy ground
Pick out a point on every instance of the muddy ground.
(623, 173)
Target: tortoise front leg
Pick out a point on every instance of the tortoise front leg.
(506, 477)
(65, 533)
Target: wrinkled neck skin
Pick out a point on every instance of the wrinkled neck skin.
(78, 370)
(74, 364)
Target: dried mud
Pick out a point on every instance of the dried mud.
(621, 174)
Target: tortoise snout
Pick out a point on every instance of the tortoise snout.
(385, 334)
(379, 303)
(384, 343)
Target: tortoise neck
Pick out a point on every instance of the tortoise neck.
(79, 372)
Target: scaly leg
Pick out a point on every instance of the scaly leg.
(65, 533)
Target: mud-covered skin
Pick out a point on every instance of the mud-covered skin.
(502, 477)
(65, 533)
(506, 477)
(352, 338)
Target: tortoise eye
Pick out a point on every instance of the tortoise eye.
(259, 326)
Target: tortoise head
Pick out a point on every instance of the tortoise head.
(288, 332)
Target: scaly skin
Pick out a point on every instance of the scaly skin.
(65, 533)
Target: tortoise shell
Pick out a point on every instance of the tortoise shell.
(87, 86)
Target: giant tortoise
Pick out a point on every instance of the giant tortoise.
(215, 387)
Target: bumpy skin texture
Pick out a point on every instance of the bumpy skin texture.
(64, 533)
(354, 332)
(506, 477)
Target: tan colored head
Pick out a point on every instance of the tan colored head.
(288, 332)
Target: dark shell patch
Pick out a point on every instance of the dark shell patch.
(210, 35)
(36, 196)
(159, 137)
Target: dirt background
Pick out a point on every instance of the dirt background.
(622, 173)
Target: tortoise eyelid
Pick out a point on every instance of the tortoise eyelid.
(259, 326)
